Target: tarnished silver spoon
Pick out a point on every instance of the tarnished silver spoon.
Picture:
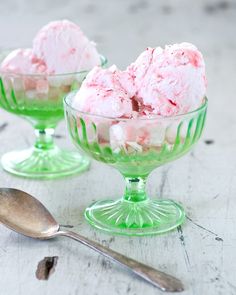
(24, 214)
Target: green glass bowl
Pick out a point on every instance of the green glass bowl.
(135, 147)
(39, 99)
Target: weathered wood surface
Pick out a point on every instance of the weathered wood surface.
(202, 253)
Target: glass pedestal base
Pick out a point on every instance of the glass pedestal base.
(44, 164)
(146, 217)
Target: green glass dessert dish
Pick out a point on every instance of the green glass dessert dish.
(39, 99)
(164, 139)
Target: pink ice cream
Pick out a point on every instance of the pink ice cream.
(23, 61)
(169, 81)
(64, 48)
(60, 47)
(164, 82)
(136, 135)
(104, 92)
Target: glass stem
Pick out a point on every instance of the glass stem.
(135, 189)
(44, 139)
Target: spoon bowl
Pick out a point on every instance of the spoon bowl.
(24, 214)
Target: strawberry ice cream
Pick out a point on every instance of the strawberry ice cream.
(161, 82)
(28, 67)
(64, 48)
(57, 63)
(169, 81)
(103, 93)
(23, 61)
(164, 82)
(136, 135)
(60, 47)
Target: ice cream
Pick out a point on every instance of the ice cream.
(56, 64)
(64, 48)
(105, 92)
(160, 83)
(22, 61)
(164, 82)
(60, 47)
(169, 81)
(136, 135)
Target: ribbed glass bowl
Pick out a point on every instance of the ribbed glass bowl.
(39, 99)
(135, 147)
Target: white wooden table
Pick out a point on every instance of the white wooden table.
(202, 254)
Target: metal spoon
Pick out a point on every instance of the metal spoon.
(26, 215)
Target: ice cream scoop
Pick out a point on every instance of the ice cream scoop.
(103, 93)
(23, 61)
(64, 48)
(164, 82)
(59, 47)
(161, 82)
(169, 81)
(61, 57)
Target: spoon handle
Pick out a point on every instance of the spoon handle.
(159, 279)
